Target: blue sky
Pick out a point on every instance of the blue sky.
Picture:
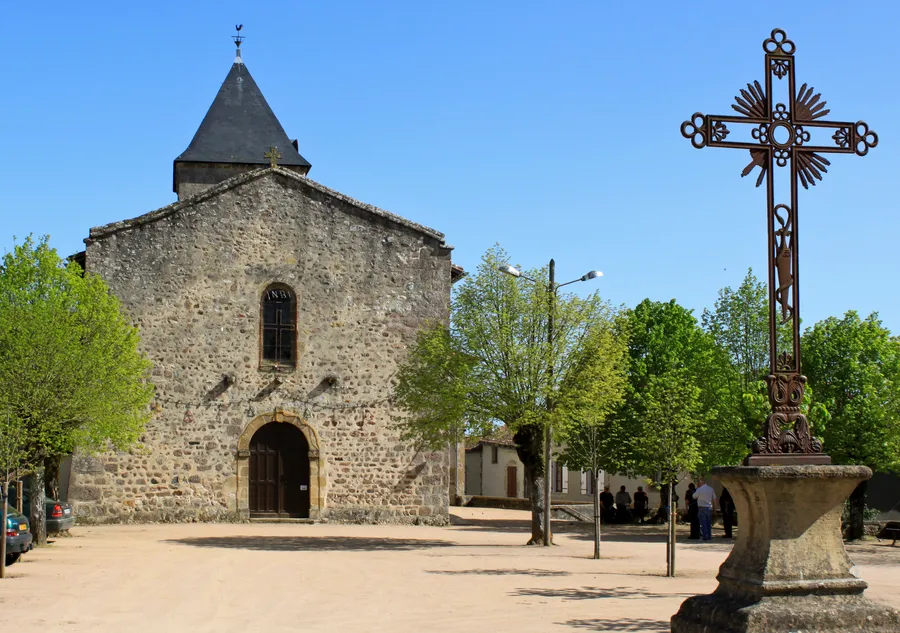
(552, 128)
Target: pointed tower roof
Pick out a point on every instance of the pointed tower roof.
(239, 126)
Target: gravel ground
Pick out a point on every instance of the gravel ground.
(474, 575)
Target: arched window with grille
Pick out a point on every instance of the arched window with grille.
(279, 326)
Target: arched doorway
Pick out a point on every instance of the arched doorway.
(279, 483)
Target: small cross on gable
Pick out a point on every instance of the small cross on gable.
(273, 155)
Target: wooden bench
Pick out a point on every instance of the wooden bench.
(891, 530)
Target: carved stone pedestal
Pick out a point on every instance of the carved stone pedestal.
(788, 571)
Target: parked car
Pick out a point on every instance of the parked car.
(60, 515)
(18, 535)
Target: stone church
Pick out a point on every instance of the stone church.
(275, 311)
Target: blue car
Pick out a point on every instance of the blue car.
(18, 536)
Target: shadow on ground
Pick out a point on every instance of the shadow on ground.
(873, 552)
(310, 543)
(540, 573)
(630, 533)
(620, 624)
(594, 593)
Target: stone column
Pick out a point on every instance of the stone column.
(788, 571)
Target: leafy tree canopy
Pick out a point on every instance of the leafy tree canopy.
(853, 367)
(667, 347)
(584, 422)
(495, 365)
(491, 366)
(70, 371)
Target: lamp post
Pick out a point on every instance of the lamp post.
(552, 288)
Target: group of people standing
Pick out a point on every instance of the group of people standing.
(700, 503)
(621, 508)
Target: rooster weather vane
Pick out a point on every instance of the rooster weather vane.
(788, 132)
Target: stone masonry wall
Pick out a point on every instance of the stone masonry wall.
(191, 276)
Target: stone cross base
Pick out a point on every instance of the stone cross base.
(788, 571)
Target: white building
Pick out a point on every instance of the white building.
(493, 469)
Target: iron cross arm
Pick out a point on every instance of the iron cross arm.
(782, 125)
(781, 130)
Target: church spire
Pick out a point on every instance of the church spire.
(237, 131)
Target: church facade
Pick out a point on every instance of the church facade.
(275, 311)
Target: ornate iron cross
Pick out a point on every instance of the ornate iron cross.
(783, 134)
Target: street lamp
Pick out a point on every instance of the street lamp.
(552, 288)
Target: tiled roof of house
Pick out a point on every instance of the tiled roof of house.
(502, 436)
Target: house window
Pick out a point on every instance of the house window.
(557, 477)
(494, 455)
(279, 326)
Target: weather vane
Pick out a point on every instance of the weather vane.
(238, 38)
(783, 133)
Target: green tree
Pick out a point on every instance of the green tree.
(853, 367)
(666, 337)
(585, 425)
(11, 440)
(739, 324)
(71, 374)
(679, 405)
(492, 366)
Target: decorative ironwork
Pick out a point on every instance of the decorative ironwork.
(783, 259)
(865, 139)
(780, 67)
(807, 107)
(782, 134)
(842, 137)
(810, 168)
(752, 102)
(719, 132)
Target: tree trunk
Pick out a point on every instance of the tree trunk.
(537, 507)
(662, 512)
(51, 476)
(670, 541)
(37, 513)
(597, 513)
(856, 529)
(529, 447)
(3, 523)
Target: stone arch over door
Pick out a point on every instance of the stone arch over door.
(316, 463)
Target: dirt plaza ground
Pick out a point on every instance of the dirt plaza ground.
(474, 575)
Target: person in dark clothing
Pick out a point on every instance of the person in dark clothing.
(693, 512)
(726, 503)
(662, 515)
(623, 500)
(607, 500)
(641, 503)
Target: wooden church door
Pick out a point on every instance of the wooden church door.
(279, 472)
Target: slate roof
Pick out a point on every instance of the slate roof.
(240, 126)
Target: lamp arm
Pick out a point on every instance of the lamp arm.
(569, 282)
